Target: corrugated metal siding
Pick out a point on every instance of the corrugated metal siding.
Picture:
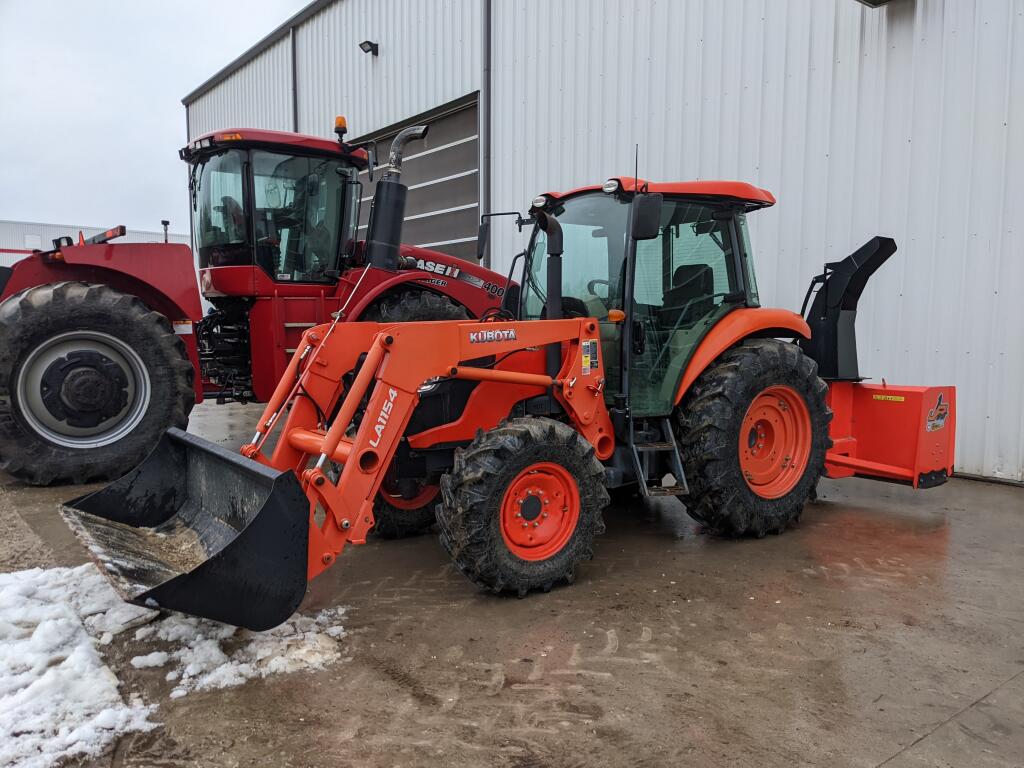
(259, 95)
(906, 121)
(429, 55)
(25, 235)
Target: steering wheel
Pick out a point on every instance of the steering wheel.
(571, 307)
(591, 284)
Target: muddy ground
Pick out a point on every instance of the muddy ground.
(887, 629)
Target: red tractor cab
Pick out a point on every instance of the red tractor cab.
(276, 231)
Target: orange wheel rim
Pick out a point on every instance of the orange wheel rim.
(539, 511)
(423, 496)
(775, 442)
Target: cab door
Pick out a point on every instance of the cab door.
(685, 280)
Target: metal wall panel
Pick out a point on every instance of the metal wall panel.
(259, 95)
(905, 121)
(429, 55)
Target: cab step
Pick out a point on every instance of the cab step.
(642, 453)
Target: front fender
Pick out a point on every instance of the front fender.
(759, 322)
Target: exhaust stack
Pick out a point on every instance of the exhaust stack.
(384, 232)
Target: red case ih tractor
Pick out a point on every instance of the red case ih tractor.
(104, 346)
(640, 357)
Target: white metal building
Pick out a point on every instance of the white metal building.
(905, 120)
(19, 238)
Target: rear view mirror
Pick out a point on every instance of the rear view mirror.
(646, 216)
(481, 239)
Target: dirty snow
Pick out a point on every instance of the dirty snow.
(57, 697)
(207, 656)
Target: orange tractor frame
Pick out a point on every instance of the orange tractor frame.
(674, 382)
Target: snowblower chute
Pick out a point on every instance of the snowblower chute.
(201, 530)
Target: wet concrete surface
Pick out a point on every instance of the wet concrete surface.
(885, 630)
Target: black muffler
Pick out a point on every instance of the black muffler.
(201, 530)
(387, 212)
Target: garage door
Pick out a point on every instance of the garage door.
(441, 174)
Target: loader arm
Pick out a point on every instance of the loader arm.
(235, 538)
(399, 360)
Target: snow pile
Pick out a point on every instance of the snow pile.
(57, 697)
(207, 655)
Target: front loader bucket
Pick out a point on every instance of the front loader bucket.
(201, 530)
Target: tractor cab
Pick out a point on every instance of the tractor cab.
(271, 206)
(657, 280)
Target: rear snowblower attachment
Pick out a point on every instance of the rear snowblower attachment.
(201, 530)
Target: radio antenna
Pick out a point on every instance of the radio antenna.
(636, 168)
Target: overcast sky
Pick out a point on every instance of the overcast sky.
(91, 118)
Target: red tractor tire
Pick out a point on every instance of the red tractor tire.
(753, 432)
(522, 505)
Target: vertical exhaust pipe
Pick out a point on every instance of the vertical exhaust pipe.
(553, 306)
(384, 230)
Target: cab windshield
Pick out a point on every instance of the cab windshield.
(593, 262)
(293, 226)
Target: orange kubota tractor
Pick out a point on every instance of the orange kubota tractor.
(635, 353)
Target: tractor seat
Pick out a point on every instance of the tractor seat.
(692, 293)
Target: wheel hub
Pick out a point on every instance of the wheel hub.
(84, 388)
(539, 511)
(775, 441)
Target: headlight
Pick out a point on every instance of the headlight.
(611, 186)
(539, 201)
(429, 385)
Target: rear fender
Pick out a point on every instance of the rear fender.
(468, 284)
(747, 323)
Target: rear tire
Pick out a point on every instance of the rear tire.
(394, 517)
(90, 378)
(413, 306)
(753, 432)
(522, 505)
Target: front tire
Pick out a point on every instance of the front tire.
(522, 505)
(402, 510)
(90, 378)
(753, 432)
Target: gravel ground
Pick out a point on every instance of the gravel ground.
(884, 630)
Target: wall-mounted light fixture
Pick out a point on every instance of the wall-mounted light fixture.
(368, 46)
